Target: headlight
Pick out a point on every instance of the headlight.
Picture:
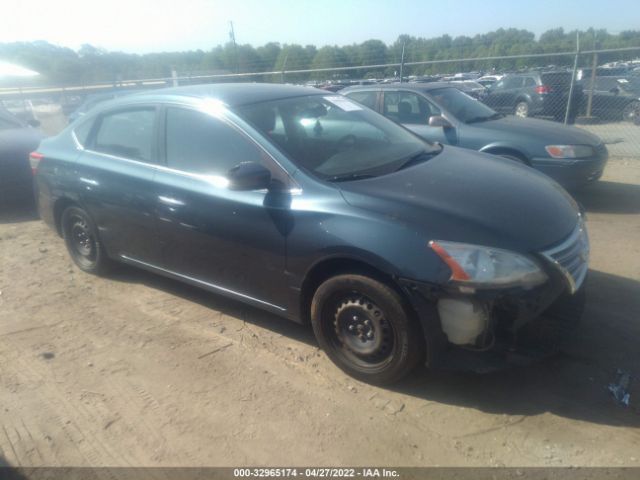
(486, 267)
(569, 151)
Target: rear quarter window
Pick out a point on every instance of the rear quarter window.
(556, 78)
(368, 99)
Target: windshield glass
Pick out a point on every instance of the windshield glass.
(335, 138)
(465, 108)
(631, 85)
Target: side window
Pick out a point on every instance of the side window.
(368, 99)
(408, 107)
(82, 131)
(513, 82)
(127, 133)
(199, 143)
(529, 82)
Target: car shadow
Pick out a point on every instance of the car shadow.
(227, 306)
(571, 384)
(17, 210)
(609, 197)
(8, 472)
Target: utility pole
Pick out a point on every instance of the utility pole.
(402, 62)
(232, 36)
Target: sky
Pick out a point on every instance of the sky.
(143, 26)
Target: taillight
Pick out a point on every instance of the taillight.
(543, 89)
(34, 161)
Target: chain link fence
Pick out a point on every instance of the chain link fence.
(597, 90)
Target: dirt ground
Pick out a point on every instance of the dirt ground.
(139, 370)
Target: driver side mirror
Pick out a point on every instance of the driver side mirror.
(33, 123)
(249, 176)
(439, 121)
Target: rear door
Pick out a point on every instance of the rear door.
(115, 180)
(413, 111)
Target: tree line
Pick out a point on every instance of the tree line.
(61, 65)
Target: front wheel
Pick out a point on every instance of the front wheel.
(365, 328)
(81, 238)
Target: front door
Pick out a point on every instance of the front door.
(413, 112)
(233, 241)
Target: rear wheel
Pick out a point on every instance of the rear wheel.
(522, 109)
(81, 239)
(365, 328)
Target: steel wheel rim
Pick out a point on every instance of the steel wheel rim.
(360, 331)
(522, 110)
(81, 238)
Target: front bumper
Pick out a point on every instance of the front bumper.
(526, 325)
(504, 320)
(572, 173)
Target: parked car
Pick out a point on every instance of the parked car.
(17, 140)
(439, 113)
(394, 249)
(471, 88)
(543, 94)
(614, 98)
(94, 99)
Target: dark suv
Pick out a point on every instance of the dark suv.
(543, 94)
(614, 98)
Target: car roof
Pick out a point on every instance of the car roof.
(417, 87)
(234, 94)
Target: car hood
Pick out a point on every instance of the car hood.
(550, 132)
(470, 197)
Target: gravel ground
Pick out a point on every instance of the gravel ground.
(139, 370)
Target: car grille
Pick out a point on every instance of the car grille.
(571, 257)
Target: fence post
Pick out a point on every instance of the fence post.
(402, 62)
(592, 84)
(573, 79)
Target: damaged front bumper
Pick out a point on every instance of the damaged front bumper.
(484, 330)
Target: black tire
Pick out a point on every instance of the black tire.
(521, 109)
(81, 238)
(366, 329)
(631, 112)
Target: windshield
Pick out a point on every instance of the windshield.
(631, 85)
(335, 138)
(465, 108)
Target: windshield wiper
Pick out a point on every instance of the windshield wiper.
(417, 158)
(347, 177)
(494, 116)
